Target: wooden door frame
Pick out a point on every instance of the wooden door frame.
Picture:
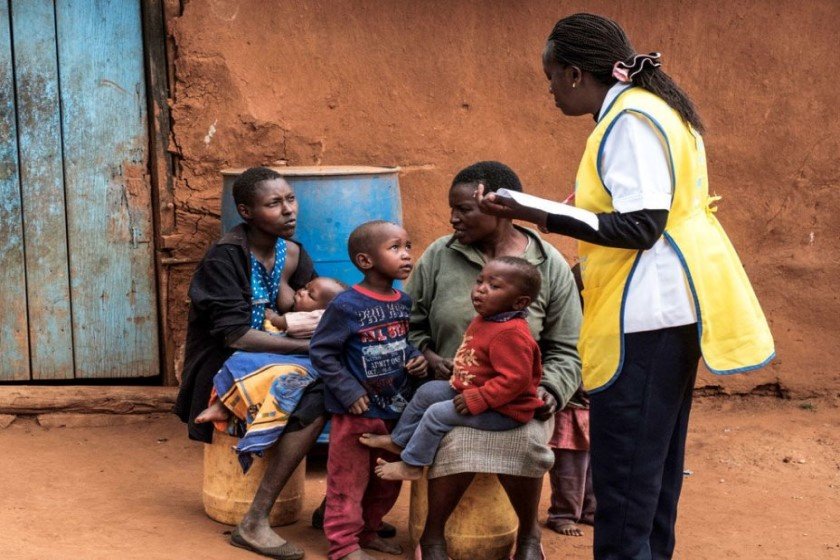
(160, 169)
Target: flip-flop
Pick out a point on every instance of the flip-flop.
(286, 551)
(418, 552)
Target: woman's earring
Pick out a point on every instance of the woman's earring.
(574, 85)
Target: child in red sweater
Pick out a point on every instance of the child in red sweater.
(494, 381)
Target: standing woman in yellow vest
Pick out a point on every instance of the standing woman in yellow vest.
(662, 283)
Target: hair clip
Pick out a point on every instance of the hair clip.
(624, 72)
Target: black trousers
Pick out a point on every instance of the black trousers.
(638, 427)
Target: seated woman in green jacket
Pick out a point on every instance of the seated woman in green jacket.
(440, 287)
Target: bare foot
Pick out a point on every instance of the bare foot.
(380, 441)
(397, 470)
(216, 412)
(568, 529)
(357, 554)
(383, 546)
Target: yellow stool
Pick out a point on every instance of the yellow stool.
(228, 493)
(483, 525)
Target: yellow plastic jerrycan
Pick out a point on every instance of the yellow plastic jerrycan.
(228, 493)
(483, 525)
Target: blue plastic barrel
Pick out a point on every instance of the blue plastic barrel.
(332, 201)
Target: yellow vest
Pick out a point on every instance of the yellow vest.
(734, 336)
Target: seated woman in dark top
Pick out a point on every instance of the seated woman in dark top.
(252, 268)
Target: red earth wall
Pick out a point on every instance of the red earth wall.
(432, 86)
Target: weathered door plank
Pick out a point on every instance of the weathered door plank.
(108, 192)
(14, 340)
(42, 188)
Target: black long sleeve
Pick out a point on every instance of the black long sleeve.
(631, 230)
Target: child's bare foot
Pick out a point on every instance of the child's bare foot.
(380, 441)
(383, 546)
(566, 528)
(397, 470)
(216, 412)
(357, 554)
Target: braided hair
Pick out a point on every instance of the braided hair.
(595, 43)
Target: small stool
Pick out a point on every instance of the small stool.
(483, 525)
(228, 493)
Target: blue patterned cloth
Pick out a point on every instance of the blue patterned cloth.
(265, 285)
(262, 390)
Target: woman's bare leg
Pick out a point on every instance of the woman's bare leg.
(289, 451)
(444, 494)
(524, 495)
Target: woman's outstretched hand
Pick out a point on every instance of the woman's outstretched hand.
(506, 207)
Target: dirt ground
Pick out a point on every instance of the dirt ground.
(764, 483)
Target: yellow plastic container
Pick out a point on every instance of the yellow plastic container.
(227, 493)
(482, 527)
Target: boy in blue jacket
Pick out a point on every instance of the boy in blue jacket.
(361, 351)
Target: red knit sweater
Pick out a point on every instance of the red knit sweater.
(498, 367)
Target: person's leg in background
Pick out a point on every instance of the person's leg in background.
(568, 485)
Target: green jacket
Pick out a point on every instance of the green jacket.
(440, 287)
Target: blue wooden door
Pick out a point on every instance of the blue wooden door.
(73, 159)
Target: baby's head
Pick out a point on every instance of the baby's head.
(317, 294)
(505, 284)
(381, 248)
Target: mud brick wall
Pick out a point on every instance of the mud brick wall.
(432, 86)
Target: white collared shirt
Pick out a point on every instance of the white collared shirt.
(636, 171)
